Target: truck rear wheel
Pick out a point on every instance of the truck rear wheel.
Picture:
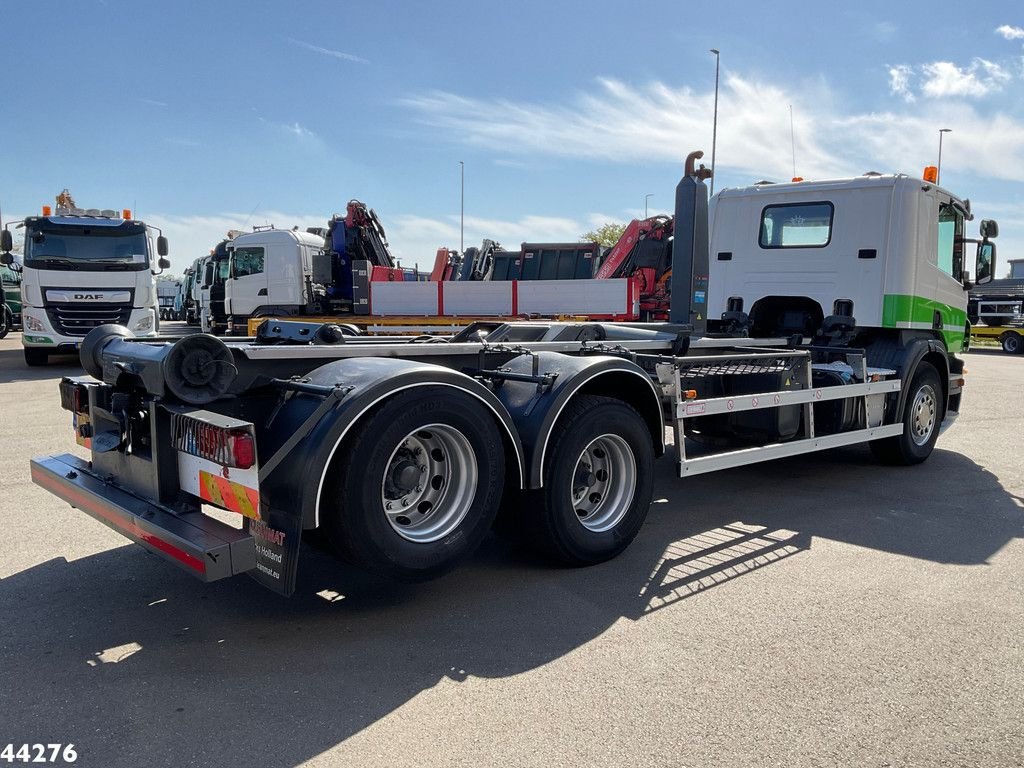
(922, 417)
(1012, 343)
(36, 356)
(598, 483)
(416, 488)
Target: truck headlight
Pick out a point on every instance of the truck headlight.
(144, 324)
(34, 324)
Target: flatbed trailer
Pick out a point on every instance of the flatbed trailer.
(1009, 337)
(403, 452)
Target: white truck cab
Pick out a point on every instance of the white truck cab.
(887, 251)
(82, 269)
(271, 271)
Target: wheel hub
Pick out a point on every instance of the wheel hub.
(604, 481)
(923, 417)
(429, 483)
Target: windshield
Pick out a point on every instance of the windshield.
(50, 245)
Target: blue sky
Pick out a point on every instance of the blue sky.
(211, 115)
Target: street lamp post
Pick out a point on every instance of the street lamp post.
(462, 207)
(646, 198)
(938, 168)
(714, 124)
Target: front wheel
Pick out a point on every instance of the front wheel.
(5, 321)
(416, 488)
(35, 357)
(598, 483)
(1012, 343)
(922, 417)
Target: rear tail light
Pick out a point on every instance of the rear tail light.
(74, 397)
(228, 446)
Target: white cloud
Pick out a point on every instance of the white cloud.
(300, 130)
(899, 81)
(656, 123)
(1010, 33)
(980, 78)
(327, 51)
(652, 123)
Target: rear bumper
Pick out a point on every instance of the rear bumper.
(200, 545)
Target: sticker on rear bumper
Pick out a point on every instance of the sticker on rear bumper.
(229, 495)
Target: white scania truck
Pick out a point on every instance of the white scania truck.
(838, 306)
(81, 269)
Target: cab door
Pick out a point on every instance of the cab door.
(948, 313)
(248, 279)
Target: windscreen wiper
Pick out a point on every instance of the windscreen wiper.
(51, 261)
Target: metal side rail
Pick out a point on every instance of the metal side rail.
(206, 548)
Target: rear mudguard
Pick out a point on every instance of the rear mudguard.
(362, 383)
(536, 406)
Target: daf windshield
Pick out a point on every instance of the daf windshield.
(99, 245)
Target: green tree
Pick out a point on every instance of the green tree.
(606, 235)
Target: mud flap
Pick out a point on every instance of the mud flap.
(278, 538)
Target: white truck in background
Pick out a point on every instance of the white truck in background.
(82, 269)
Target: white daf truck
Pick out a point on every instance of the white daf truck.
(82, 269)
(838, 310)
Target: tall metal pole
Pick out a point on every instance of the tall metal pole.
(938, 168)
(714, 124)
(646, 198)
(462, 207)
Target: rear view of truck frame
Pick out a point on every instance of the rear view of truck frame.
(404, 452)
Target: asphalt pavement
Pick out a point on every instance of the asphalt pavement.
(821, 610)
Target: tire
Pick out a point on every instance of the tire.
(35, 357)
(922, 417)
(579, 517)
(6, 321)
(431, 526)
(1012, 343)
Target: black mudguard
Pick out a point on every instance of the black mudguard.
(362, 383)
(535, 407)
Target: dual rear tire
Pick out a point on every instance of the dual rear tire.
(417, 486)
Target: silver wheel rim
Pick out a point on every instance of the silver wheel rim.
(922, 414)
(603, 483)
(429, 483)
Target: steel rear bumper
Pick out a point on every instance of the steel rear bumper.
(204, 547)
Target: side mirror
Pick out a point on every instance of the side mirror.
(989, 229)
(985, 263)
(6, 242)
(161, 247)
(164, 263)
(6, 259)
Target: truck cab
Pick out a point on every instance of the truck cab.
(885, 252)
(212, 318)
(10, 298)
(272, 271)
(85, 268)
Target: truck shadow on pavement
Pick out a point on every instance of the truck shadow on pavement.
(138, 664)
(14, 369)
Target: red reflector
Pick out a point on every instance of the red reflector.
(244, 449)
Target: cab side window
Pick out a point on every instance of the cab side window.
(950, 256)
(247, 261)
